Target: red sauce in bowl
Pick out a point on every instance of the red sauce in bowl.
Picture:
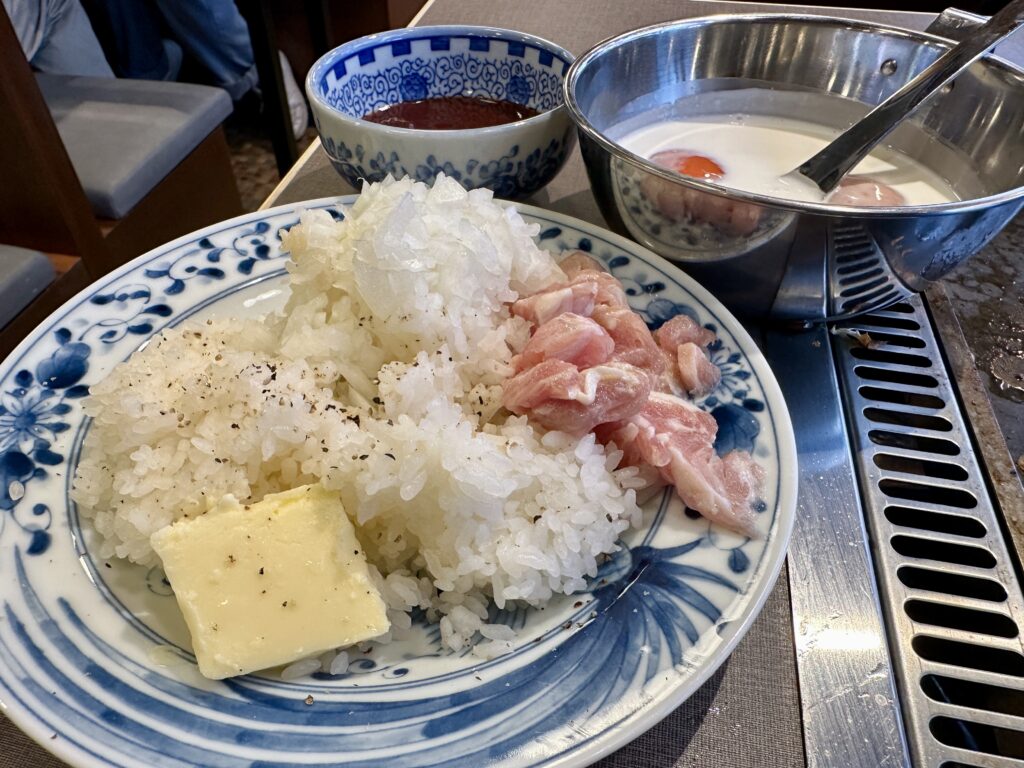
(446, 113)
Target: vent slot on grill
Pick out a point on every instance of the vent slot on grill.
(876, 299)
(914, 442)
(882, 321)
(902, 397)
(944, 551)
(979, 657)
(896, 339)
(859, 288)
(896, 377)
(978, 737)
(903, 307)
(966, 693)
(861, 254)
(958, 617)
(949, 583)
(940, 522)
(904, 419)
(938, 469)
(930, 494)
(892, 358)
(856, 267)
(854, 272)
(853, 236)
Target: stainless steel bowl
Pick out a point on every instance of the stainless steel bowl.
(795, 260)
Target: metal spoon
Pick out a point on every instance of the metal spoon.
(831, 164)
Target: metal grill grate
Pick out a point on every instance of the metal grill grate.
(952, 599)
(861, 279)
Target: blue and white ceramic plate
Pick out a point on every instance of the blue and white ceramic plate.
(94, 658)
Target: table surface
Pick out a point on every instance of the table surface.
(748, 713)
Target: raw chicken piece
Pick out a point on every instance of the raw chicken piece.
(569, 337)
(545, 305)
(689, 367)
(697, 374)
(609, 290)
(664, 419)
(578, 261)
(678, 439)
(681, 329)
(743, 478)
(634, 343)
(557, 395)
(588, 286)
(865, 191)
(578, 374)
(625, 435)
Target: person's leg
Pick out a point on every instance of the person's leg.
(28, 22)
(69, 45)
(131, 34)
(214, 33)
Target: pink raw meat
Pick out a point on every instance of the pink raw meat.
(677, 438)
(557, 395)
(569, 337)
(580, 373)
(743, 479)
(588, 286)
(689, 367)
(865, 191)
(609, 290)
(680, 330)
(697, 374)
(578, 261)
(545, 305)
(634, 343)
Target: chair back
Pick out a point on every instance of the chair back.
(42, 203)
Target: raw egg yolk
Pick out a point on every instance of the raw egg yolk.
(698, 167)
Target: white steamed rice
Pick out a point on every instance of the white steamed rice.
(380, 379)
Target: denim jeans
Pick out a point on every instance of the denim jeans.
(214, 33)
(57, 37)
(211, 32)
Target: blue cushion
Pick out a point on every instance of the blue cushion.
(24, 274)
(125, 136)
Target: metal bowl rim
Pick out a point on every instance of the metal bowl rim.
(586, 128)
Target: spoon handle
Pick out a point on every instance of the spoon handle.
(832, 163)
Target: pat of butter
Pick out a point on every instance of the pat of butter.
(270, 583)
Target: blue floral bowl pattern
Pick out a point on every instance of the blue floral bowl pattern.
(514, 160)
(96, 654)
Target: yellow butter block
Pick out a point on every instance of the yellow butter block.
(270, 583)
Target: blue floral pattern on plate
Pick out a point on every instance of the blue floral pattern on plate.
(97, 652)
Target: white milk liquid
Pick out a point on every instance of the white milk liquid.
(755, 152)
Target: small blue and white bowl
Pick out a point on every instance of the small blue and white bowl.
(514, 160)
